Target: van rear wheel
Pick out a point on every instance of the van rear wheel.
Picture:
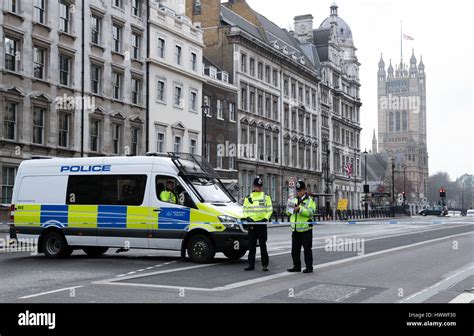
(55, 246)
(95, 251)
(200, 249)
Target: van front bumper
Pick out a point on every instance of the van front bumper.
(226, 240)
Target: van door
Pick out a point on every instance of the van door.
(168, 216)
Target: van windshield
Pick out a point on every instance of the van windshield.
(210, 190)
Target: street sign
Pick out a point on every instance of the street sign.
(381, 194)
(342, 204)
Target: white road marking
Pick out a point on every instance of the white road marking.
(261, 279)
(142, 270)
(463, 298)
(50, 292)
(428, 292)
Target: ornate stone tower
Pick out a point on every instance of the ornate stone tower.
(402, 130)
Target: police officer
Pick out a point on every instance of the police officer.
(304, 209)
(258, 209)
(168, 195)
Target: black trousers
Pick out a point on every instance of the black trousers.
(305, 240)
(258, 232)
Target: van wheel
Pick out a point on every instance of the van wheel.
(95, 251)
(234, 254)
(200, 249)
(55, 246)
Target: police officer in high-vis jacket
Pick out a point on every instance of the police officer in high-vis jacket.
(258, 209)
(304, 209)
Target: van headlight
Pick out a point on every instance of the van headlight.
(230, 223)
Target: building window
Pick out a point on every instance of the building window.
(397, 121)
(231, 112)
(307, 97)
(38, 125)
(11, 49)
(194, 61)
(275, 110)
(136, 91)
(192, 146)
(117, 38)
(8, 180)
(405, 121)
(135, 140)
(243, 63)
(10, 120)
(293, 120)
(136, 39)
(260, 70)
(39, 11)
(64, 129)
(96, 29)
(218, 159)
(64, 19)
(260, 104)
(96, 78)
(286, 89)
(193, 97)
(39, 60)
(136, 7)
(160, 142)
(12, 5)
(178, 53)
(252, 67)
(161, 91)
(118, 3)
(220, 110)
(390, 122)
(178, 96)
(196, 7)
(177, 144)
(117, 85)
(267, 74)
(116, 138)
(231, 163)
(286, 149)
(64, 70)
(268, 147)
(286, 117)
(95, 129)
(252, 102)
(275, 78)
(161, 47)
(244, 99)
(293, 90)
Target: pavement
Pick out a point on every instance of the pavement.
(407, 260)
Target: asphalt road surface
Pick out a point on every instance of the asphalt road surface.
(406, 260)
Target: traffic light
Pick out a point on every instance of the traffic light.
(442, 193)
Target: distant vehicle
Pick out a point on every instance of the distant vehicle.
(436, 210)
(470, 213)
(454, 214)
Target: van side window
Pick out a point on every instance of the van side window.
(106, 189)
(168, 189)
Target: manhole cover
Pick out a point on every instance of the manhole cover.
(330, 293)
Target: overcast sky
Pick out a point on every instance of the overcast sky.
(443, 35)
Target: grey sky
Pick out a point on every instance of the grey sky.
(442, 32)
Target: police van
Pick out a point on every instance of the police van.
(159, 201)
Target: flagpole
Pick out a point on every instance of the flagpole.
(401, 42)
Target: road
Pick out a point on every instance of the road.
(406, 260)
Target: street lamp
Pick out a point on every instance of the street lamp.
(393, 186)
(404, 183)
(205, 112)
(366, 187)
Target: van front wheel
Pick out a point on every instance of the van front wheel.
(200, 249)
(55, 246)
(95, 251)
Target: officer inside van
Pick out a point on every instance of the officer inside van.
(168, 195)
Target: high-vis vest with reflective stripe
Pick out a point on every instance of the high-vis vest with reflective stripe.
(168, 196)
(301, 220)
(258, 206)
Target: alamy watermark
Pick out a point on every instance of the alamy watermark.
(400, 103)
(72, 103)
(8, 244)
(337, 244)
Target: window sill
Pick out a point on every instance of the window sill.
(42, 25)
(118, 53)
(17, 15)
(40, 80)
(13, 73)
(74, 37)
(93, 45)
(13, 142)
(114, 100)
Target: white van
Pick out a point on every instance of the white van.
(160, 201)
(470, 213)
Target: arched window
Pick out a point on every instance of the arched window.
(390, 122)
(397, 122)
(405, 121)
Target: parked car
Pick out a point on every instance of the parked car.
(470, 213)
(436, 210)
(454, 214)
